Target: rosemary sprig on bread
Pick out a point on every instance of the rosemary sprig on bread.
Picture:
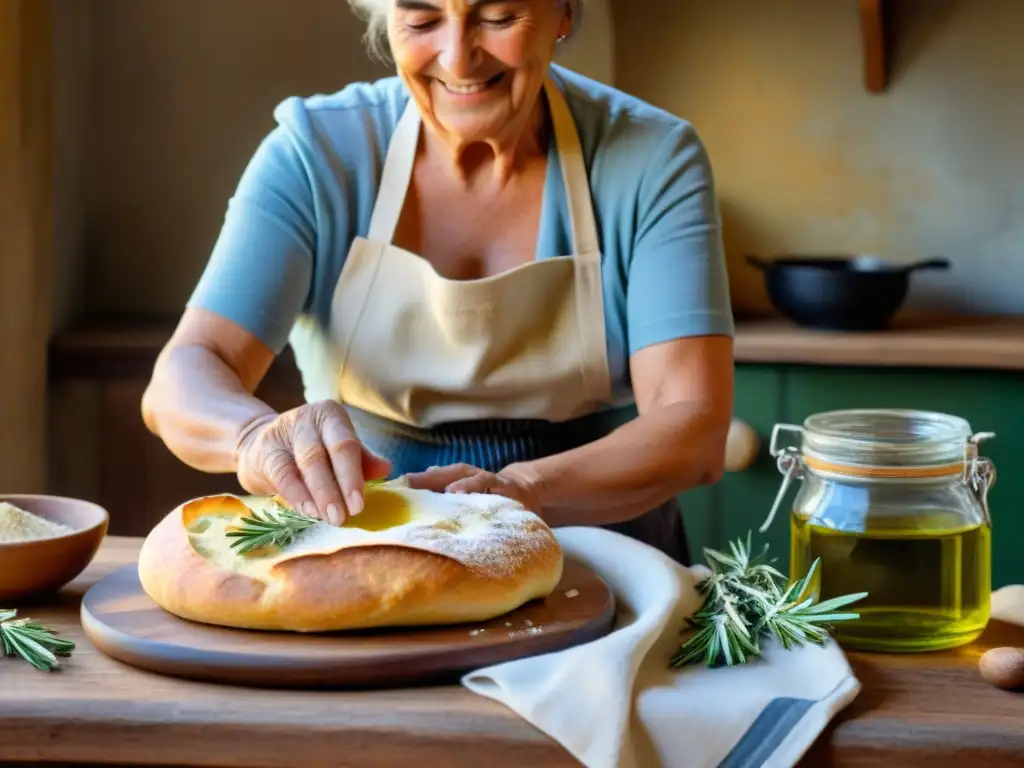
(276, 528)
(31, 641)
(745, 601)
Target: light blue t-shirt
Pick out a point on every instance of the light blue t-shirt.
(310, 188)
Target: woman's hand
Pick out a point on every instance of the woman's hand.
(312, 457)
(464, 478)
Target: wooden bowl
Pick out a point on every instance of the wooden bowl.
(33, 568)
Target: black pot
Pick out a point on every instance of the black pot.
(841, 294)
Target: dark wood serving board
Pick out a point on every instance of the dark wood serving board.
(125, 624)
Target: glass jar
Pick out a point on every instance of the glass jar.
(892, 503)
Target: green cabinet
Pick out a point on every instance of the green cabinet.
(992, 401)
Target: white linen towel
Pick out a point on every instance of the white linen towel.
(615, 703)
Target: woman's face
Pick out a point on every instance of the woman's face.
(475, 67)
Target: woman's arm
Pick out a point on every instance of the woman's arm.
(200, 402)
(200, 397)
(263, 275)
(684, 395)
(252, 289)
(681, 364)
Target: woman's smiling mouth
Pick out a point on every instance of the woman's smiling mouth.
(467, 89)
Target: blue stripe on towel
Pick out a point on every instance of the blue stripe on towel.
(774, 724)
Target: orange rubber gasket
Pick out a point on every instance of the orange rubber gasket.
(934, 470)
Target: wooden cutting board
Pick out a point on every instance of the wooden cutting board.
(125, 624)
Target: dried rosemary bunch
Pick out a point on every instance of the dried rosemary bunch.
(746, 601)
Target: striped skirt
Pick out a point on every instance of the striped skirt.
(493, 444)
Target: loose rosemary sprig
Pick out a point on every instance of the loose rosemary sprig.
(278, 528)
(745, 600)
(33, 642)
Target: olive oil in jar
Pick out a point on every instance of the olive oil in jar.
(928, 579)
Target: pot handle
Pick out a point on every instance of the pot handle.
(758, 263)
(936, 263)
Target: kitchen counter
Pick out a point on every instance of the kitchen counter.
(127, 348)
(921, 710)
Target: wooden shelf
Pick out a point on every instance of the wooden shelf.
(992, 343)
(873, 45)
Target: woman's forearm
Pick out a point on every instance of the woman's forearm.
(633, 470)
(198, 406)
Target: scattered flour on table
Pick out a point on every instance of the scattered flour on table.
(18, 525)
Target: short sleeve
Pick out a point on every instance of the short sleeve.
(678, 285)
(260, 271)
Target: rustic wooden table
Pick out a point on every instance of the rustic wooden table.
(922, 710)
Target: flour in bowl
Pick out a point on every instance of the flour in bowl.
(17, 525)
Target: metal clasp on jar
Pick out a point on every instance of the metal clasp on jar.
(979, 472)
(790, 462)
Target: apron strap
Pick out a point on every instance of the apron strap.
(401, 158)
(582, 223)
(395, 178)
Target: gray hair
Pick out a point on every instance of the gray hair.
(375, 14)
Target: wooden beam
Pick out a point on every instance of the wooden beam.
(872, 31)
(26, 228)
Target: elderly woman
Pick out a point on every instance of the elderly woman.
(496, 275)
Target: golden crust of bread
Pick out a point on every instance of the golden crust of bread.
(358, 586)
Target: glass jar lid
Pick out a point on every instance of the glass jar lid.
(886, 437)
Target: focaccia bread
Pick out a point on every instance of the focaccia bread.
(411, 557)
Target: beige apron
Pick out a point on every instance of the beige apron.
(420, 349)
